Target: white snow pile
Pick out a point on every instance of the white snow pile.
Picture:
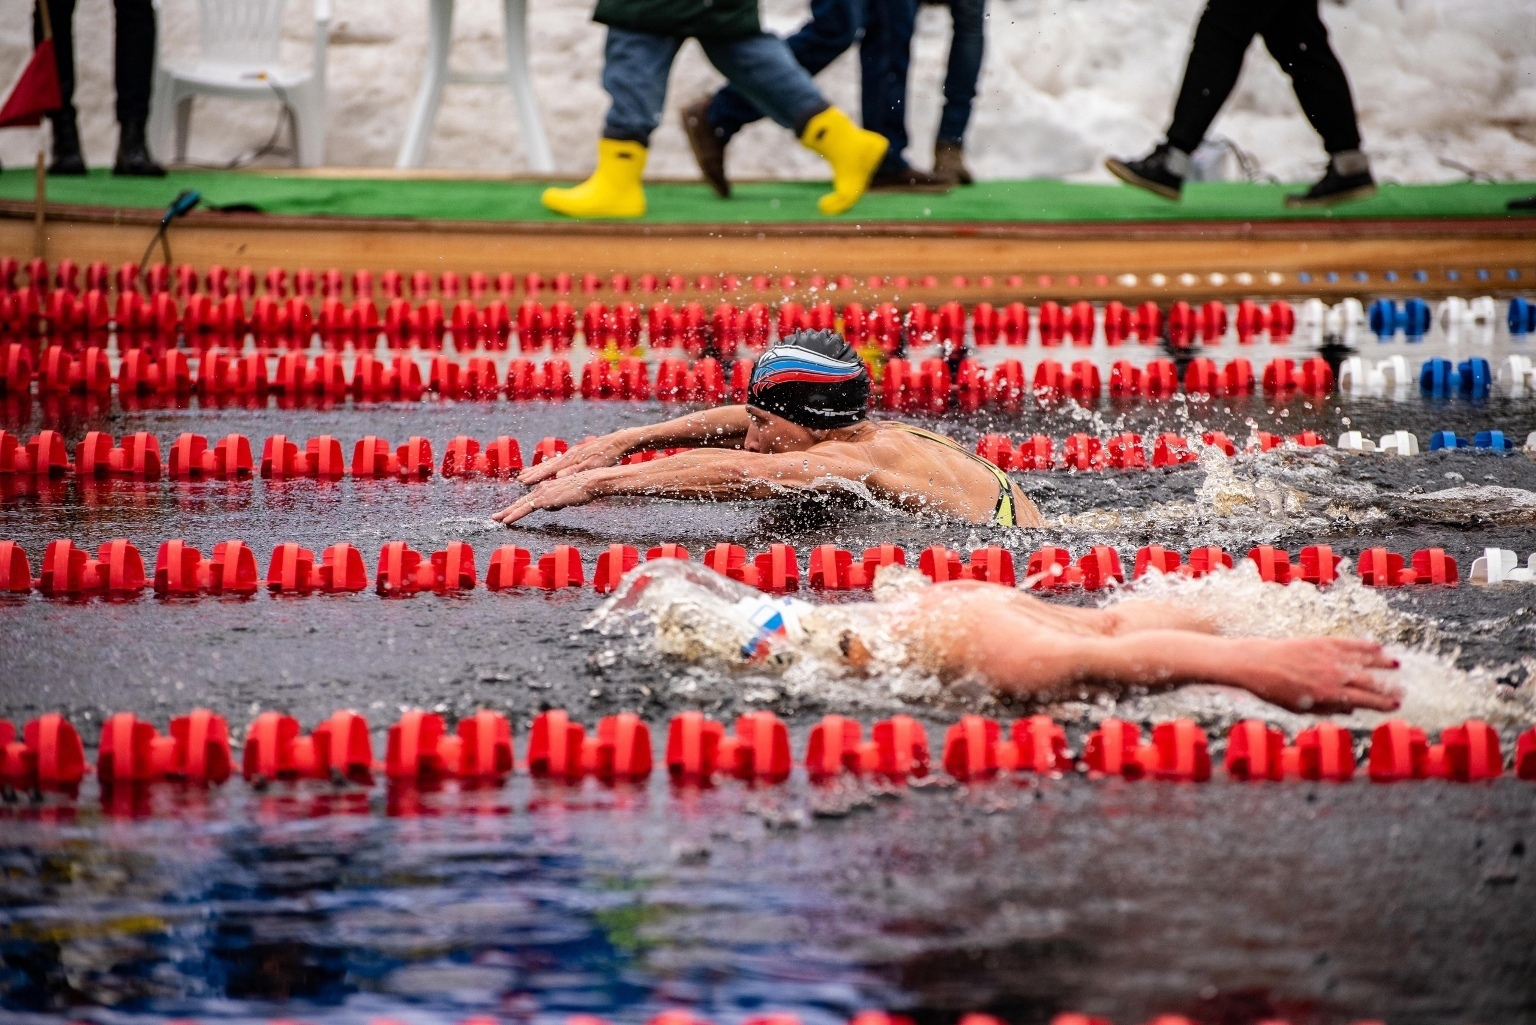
(1442, 85)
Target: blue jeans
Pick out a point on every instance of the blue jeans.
(886, 54)
(884, 57)
(965, 51)
(835, 25)
(760, 66)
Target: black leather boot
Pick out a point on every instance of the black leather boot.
(66, 146)
(133, 153)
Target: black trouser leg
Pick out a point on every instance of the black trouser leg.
(135, 59)
(1215, 59)
(1298, 40)
(61, 15)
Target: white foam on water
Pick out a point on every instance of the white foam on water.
(1243, 502)
(1435, 693)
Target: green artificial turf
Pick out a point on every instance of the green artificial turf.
(998, 201)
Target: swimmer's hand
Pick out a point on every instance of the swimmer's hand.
(609, 450)
(1318, 675)
(552, 494)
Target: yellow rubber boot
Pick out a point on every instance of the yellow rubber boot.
(614, 190)
(853, 153)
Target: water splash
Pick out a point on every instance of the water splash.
(686, 612)
(1435, 692)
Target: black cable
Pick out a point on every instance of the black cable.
(180, 206)
(270, 148)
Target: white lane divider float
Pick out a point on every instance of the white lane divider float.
(1502, 566)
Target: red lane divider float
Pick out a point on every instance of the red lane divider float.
(1085, 452)
(194, 457)
(47, 754)
(224, 307)
(161, 375)
(191, 457)
(180, 570)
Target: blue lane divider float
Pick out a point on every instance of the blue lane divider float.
(1412, 318)
(1446, 439)
(1495, 441)
(1472, 378)
(1521, 317)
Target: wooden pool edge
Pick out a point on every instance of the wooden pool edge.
(1059, 260)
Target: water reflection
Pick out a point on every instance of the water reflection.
(298, 900)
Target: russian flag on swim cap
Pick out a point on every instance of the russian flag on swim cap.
(811, 378)
(785, 363)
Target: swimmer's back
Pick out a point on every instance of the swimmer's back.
(926, 471)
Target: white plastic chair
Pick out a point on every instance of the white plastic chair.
(514, 76)
(239, 60)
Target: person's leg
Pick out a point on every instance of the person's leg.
(1298, 40)
(835, 25)
(966, 47)
(765, 72)
(135, 66)
(67, 158)
(635, 69)
(1215, 58)
(884, 58)
(965, 53)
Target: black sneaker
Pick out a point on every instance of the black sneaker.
(1162, 171)
(1348, 178)
(708, 147)
(67, 159)
(133, 157)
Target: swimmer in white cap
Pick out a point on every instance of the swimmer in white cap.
(804, 428)
(1000, 637)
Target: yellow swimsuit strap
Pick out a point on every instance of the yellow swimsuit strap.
(1003, 514)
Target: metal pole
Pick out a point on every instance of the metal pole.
(40, 200)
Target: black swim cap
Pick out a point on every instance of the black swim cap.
(811, 378)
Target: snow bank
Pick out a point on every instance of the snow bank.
(1065, 83)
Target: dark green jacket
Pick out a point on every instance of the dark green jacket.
(709, 19)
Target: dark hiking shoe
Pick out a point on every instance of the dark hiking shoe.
(708, 147)
(133, 157)
(1162, 171)
(1348, 177)
(909, 179)
(949, 163)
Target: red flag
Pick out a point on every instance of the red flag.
(36, 92)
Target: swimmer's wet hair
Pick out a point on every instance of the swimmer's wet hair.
(811, 378)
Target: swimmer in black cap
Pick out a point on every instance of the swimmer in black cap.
(804, 428)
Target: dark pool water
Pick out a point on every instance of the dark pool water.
(1225, 901)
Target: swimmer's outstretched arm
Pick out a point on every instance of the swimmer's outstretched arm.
(718, 476)
(1303, 674)
(724, 427)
